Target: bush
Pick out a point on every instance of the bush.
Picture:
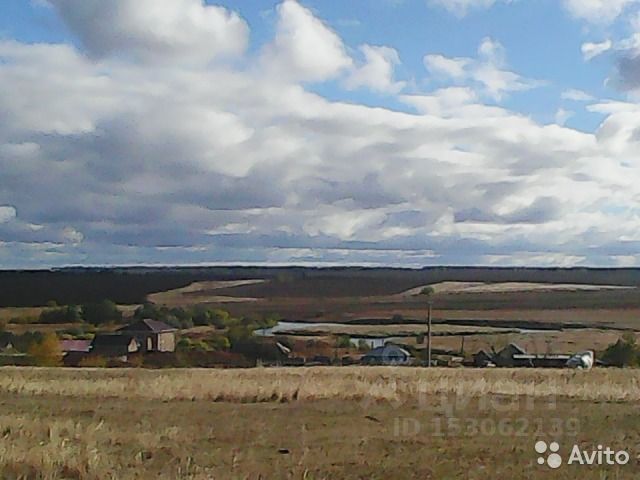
(363, 346)
(69, 314)
(136, 361)
(24, 320)
(623, 353)
(219, 342)
(180, 317)
(95, 361)
(239, 334)
(47, 352)
(343, 341)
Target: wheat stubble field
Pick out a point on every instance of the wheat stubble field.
(308, 423)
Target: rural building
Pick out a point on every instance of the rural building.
(483, 359)
(10, 356)
(541, 360)
(389, 354)
(512, 356)
(114, 345)
(153, 336)
(505, 357)
(6, 347)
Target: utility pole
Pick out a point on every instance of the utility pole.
(428, 293)
(429, 303)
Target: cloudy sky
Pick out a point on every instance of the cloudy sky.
(378, 132)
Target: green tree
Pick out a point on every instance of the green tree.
(239, 334)
(101, 313)
(148, 310)
(46, 352)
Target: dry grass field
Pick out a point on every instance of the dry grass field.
(309, 423)
(23, 313)
(201, 292)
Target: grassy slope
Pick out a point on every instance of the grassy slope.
(342, 423)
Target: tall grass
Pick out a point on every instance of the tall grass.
(297, 384)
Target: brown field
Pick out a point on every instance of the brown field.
(567, 341)
(509, 287)
(393, 330)
(23, 313)
(345, 299)
(603, 311)
(310, 423)
(202, 292)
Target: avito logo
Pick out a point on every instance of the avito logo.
(554, 460)
(600, 456)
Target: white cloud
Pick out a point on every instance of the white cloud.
(462, 7)
(454, 68)
(488, 72)
(562, 116)
(305, 48)
(497, 81)
(155, 30)
(7, 213)
(445, 102)
(597, 11)
(377, 72)
(174, 163)
(492, 51)
(592, 50)
(576, 95)
(72, 235)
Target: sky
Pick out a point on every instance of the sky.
(381, 132)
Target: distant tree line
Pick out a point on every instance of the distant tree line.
(99, 313)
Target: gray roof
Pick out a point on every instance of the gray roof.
(111, 340)
(513, 348)
(147, 325)
(385, 350)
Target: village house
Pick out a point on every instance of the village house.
(10, 356)
(73, 351)
(153, 335)
(115, 345)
